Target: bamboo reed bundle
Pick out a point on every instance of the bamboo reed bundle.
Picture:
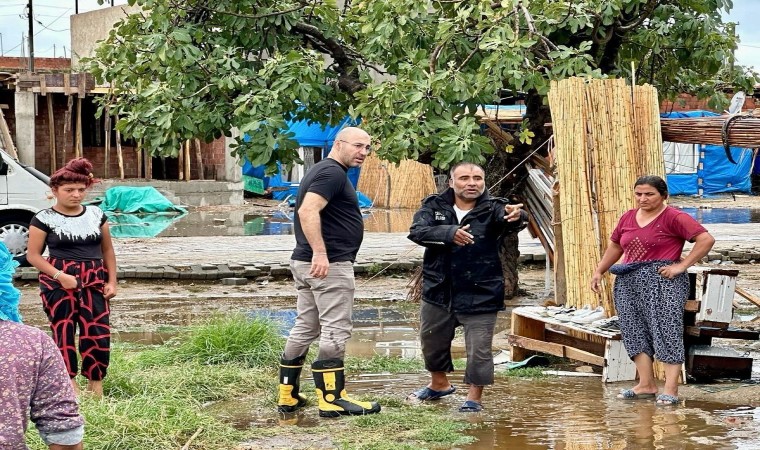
(742, 132)
(606, 135)
(396, 186)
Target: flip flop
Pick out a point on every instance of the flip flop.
(628, 394)
(667, 399)
(427, 394)
(471, 406)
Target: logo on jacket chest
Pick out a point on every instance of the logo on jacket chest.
(440, 216)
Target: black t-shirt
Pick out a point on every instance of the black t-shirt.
(75, 238)
(342, 226)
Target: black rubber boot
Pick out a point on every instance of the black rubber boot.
(329, 380)
(290, 374)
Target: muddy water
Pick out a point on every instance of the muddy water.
(555, 413)
(238, 223)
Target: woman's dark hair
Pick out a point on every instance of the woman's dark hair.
(654, 181)
(77, 170)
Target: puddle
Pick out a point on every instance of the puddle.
(724, 215)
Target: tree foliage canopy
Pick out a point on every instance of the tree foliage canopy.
(413, 70)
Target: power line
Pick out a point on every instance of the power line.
(45, 27)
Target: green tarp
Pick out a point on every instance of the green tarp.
(127, 199)
(138, 211)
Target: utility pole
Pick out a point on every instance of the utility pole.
(31, 38)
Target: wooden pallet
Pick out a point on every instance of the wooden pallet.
(534, 333)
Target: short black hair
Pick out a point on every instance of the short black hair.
(654, 181)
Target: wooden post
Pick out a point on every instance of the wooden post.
(51, 131)
(107, 129)
(139, 152)
(199, 158)
(66, 126)
(119, 155)
(180, 163)
(78, 140)
(148, 164)
(187, 160)
(560, 283)
(6, 135)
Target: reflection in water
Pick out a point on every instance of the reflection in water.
(584, 414)
(279, 222)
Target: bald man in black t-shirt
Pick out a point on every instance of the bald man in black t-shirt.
(329, 232)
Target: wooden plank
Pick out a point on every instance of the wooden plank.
(51, 132)
(78, 139)
(107, 149)
(198, 158)
(618, 366)
(528, 327)
(119, 154)
(553, 349)
(692, 305)
(66, 126)
(752, 298)
(726, 333)
(5, 133)
(559, 337)
(67, 84)
(43, 86)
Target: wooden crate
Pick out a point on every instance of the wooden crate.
(534, 333)
(706, 363)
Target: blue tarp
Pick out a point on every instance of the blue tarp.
(307, 135)
(709, 171)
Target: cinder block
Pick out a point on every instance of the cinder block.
(251, 272)
(279, 271)
(234, 281)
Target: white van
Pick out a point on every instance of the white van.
(23, 191)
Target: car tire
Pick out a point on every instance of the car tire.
(15, 234)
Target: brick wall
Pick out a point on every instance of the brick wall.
(15, 64)
(213, 152)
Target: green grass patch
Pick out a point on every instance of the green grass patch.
(230, 339)
(157, 397)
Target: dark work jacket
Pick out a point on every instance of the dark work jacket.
(463, 279)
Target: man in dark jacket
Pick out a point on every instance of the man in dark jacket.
(463, 282)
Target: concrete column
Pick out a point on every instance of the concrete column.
(25, 119)
(232, 171)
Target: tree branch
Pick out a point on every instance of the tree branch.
(258, 16)
(348, 79)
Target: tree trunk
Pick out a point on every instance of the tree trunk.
(509, 254)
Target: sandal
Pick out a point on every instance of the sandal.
(428, 394)
(471, 406)
(667, 399)
(629, 394)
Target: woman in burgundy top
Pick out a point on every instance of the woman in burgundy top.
(651, 285)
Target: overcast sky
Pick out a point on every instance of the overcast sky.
(51, 27)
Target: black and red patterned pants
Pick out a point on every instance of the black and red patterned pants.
(85, 307)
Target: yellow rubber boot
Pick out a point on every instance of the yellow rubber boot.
(290, 400)
(329, 379)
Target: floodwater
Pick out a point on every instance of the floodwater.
(236, 223)
(280, 222)
(724, 215)
(573, 413)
